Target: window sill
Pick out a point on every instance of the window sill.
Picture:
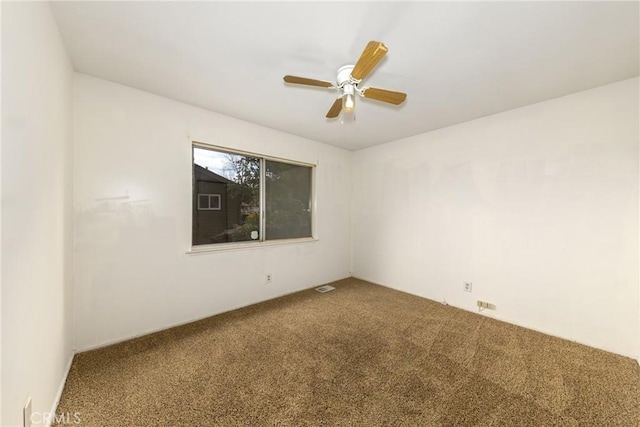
(221, 247)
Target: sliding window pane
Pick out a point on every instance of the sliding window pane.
(287, 200)
(226, 197)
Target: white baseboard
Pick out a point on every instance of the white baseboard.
(54, 408)
(197, 319)
(502, 319)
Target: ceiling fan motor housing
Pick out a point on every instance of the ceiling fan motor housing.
(344, 75)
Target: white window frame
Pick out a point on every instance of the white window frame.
(200, 249)
(217, 196)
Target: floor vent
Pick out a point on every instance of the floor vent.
(325, 288)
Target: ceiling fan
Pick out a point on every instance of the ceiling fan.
(348, 79)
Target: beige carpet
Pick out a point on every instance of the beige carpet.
(362, 355)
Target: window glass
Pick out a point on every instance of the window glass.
(203, 201)
(235, 179)
(227, 191)
(214, 201)
(287, 200)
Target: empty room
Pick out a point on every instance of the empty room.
(320, 213)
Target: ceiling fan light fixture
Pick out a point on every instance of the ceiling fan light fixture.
(348, 100)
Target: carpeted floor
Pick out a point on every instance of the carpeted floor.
(362, 355)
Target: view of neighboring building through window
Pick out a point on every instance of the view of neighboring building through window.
(228, 189)
(209, 202)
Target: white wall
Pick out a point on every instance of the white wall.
(132, 274)
(0, 227)
(36, 210)
(537, 206)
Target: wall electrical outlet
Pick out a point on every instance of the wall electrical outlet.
(267, 278)
(467, 286)
(484, 304)
(26, 413)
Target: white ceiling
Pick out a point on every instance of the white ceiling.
(457, 61)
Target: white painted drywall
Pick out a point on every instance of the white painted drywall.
(131, 273)
(0, 224)
(537, 206)
(37, 83)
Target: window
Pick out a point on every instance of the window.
(208, 202)
(239, 197)
(287, 200)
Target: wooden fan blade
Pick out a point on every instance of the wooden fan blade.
(305, 81)
(371, 55)
(384, 95)
(335, 109)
